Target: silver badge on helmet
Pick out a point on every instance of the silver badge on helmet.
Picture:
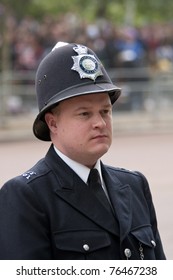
(86, 64)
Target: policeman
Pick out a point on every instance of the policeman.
(70, 205)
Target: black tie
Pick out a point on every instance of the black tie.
(94, 183)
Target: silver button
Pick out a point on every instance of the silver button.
(86, 247)
(127, 253)
(153, 243)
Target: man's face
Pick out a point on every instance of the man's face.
(82, 127)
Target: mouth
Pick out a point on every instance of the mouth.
(100, 136)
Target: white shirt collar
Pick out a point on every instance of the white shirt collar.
(81, 170)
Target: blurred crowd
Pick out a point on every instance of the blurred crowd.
(117, 46)
(148, 48)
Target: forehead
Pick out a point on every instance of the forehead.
(94, 98)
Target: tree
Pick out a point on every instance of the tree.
(115, 10)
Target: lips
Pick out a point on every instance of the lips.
(100, 136)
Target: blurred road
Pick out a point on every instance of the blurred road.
(150, 154)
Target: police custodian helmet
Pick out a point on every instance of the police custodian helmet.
(69, 70)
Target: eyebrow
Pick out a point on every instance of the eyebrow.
(90, 106)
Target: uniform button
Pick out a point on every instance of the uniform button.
(153, 243)
(86, 247)
(127, 253)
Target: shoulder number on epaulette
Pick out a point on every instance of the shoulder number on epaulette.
(28, 174)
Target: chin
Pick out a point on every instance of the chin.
(100, 152)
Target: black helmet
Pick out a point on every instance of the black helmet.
(68, 70)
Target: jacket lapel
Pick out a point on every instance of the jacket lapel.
(120, 196)
(83, 200)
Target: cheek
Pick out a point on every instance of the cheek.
(74, 133)
(110, 126)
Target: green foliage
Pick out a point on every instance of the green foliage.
(19, 7)
(115, 10)
(154, 11)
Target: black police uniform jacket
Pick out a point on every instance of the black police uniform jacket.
(49, 213)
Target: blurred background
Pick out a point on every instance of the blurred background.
(134, 40)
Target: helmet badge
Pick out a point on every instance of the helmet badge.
(85, 64)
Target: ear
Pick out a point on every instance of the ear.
(51, 122)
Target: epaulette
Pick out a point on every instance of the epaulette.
(121, 169)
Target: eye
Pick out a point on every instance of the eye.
(84, 113)
(106, 112)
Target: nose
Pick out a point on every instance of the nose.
(98, 121)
